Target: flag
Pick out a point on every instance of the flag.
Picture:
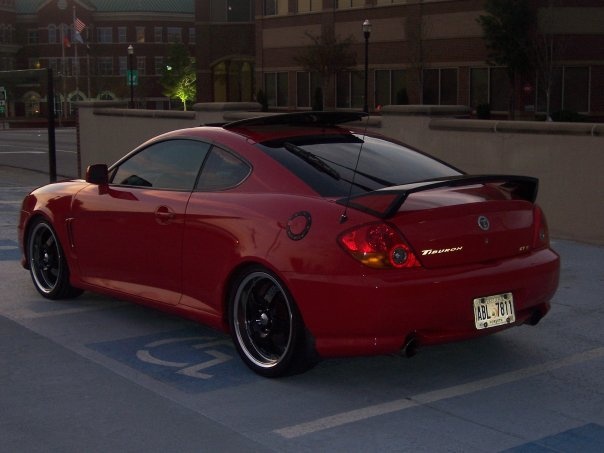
(66, 42)
(77, 37)
(78, 25)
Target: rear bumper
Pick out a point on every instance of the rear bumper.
(377, 312)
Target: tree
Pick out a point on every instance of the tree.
(416, 29)
(326, 56)
(507, 31)
(547, 48)
(179, 76)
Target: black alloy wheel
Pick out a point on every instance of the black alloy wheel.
(265, 324)
(47, 264)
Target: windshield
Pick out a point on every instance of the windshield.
(381, 163)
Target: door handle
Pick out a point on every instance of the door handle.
(164, 214)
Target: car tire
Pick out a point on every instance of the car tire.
(47, 264)
(266, 326)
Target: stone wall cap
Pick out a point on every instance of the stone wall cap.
(429, 110)
(141, 113)
(226, 106)
(522, 127)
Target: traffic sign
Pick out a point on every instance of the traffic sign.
(132, 77)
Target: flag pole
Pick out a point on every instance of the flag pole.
(75, 51)
(63, 67)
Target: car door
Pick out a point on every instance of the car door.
(211, 245)
(128, 236)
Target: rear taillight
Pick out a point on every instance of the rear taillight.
(378, 245)
(540, 231)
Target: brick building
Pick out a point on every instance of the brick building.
(428, 52)
(420, 51)
(86, 43)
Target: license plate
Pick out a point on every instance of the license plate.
(494, 311)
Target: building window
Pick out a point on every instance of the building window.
(158, 34)
(306, 90)
(343, 4)
(140, 34)
(174, 34)
(390, 2)
(52, 34)
(490, 86)
(104, 35)
(159, 65)
(305, 6)
(576, 89)
(390, 87)
(105, 66)
(440, 86)
(65, 35)
(275, 7)
(192, 35)
(350, 89)
(276, 88)
(32, 36)
(569, 90)
(141, 65)
(122, 34)
(123, 65)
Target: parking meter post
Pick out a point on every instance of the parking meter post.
(52, 150)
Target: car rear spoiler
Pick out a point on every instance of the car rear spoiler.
(386, 202)
(299, 119)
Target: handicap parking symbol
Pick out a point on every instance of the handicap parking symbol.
(185, 359)
(195, 370)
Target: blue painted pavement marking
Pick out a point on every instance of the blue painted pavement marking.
(193, 360)
(585, 439)
(9, 250)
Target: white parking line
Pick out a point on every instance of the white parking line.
(344, 418)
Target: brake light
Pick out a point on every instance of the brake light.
(378, 245)
(540, 230)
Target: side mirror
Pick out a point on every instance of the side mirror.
(97, 174)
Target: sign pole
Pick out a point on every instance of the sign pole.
(52, 148)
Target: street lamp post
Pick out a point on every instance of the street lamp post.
(366, 33)
(130, 74)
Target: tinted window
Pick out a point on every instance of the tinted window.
(222, 170)
(173, 164)
(381, 163)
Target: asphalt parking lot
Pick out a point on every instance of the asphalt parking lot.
(98, 374)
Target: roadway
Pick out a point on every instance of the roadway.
(28, 148)
(99, 374)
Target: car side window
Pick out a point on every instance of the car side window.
(222, 170)
(172, 164)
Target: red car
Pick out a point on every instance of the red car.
(301, 237)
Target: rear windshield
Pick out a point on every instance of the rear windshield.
(327, 163)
